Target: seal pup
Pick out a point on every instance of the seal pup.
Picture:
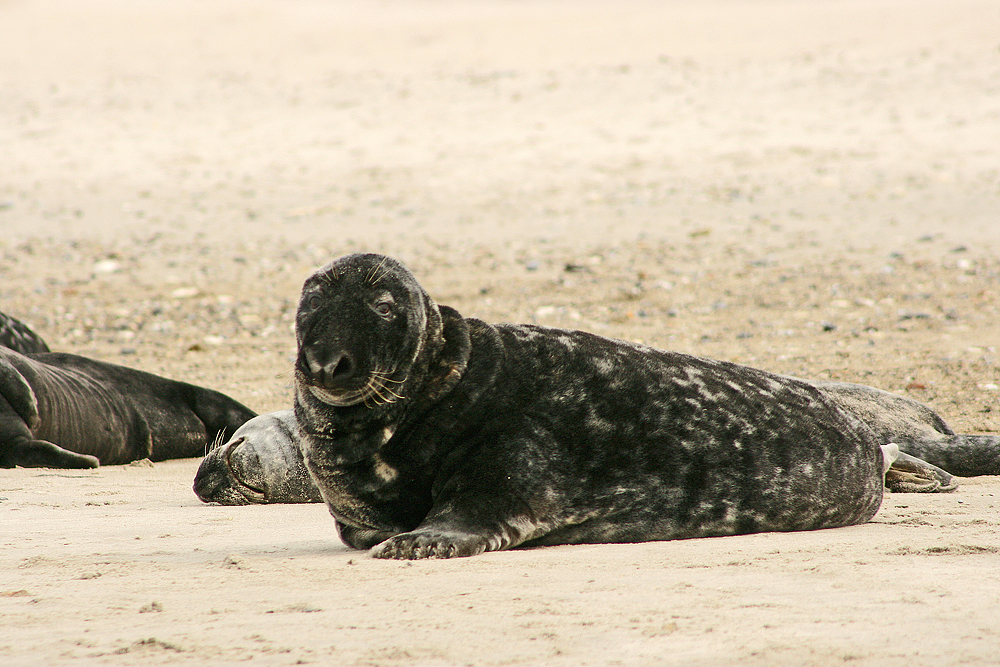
(261, 463)
(430, 434)
(65, 411)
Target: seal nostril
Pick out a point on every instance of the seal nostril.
(343, 368)
(309, 362)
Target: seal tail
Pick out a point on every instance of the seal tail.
(962, 455)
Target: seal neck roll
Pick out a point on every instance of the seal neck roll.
(449, 363)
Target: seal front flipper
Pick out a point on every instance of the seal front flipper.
(20, 401)
(432, 542)
(18, 418)
(484, 522)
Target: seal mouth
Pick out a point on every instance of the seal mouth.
(379, 389)
(338, 400)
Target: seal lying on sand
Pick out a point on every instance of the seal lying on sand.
(263, 463)
(429, 434)
(66, 411)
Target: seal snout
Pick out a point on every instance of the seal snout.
(332, 369)
(210, 479)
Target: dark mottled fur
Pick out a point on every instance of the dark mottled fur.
(266, 466)
(18, 336)
(429, 434)
(66, 411)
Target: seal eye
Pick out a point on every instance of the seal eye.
(314, 301)
(383, 308)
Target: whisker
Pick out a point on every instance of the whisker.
(214, 444)
(328, 277)
(372, 275)
(384, 399)
(398, 397)
(383, 378)
(374, 390)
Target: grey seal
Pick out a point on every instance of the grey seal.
(431, 434)
(65, 411)
(266, 465)
(261, 463)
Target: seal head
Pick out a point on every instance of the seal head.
(362, 327)
(374, 350)
(260, 464)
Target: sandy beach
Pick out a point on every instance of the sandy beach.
(808, 187)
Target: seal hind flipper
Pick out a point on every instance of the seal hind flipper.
(890, 453)
(220, 414)
(908, 474)
(917, 429)
(19, 337)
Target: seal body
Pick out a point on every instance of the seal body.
(66, 411)
(264, 463)
(261, 463)
(429, 434)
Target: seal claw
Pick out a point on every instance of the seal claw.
(424, 543)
